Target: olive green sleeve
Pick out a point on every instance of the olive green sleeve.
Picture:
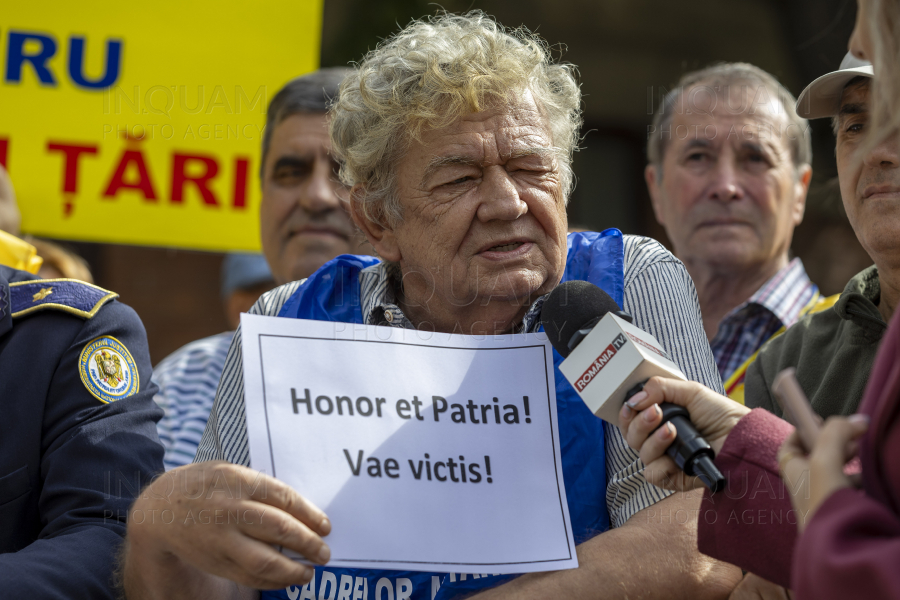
(760, 373)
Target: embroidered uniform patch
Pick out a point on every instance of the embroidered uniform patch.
(108, 370)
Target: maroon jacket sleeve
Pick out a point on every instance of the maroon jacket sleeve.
(751, 523)
(850, 549)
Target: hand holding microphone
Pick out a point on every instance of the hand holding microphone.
(713, 416)
(608, 361)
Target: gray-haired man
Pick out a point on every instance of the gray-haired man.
(728, 175)
(459, 178)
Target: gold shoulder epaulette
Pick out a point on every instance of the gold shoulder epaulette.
(68, 295)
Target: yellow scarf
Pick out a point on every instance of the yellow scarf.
(734, 385)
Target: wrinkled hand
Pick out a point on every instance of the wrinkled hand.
(713, 415)
(754, 587)
(823, 468)
(223, 519)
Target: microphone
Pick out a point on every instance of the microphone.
(608, 360)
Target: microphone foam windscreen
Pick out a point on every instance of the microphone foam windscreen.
(570, 307)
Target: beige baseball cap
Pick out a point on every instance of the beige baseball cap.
(822, 98)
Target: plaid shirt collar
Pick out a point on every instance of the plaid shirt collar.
(784, 295)
(778, 303)
(379, 300)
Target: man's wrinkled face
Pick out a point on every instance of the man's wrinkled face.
(870, 184)
(729, 194)
(483, 212)
(303, 217)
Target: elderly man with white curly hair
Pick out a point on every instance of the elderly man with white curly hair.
(456, 138)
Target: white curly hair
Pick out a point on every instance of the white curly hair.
(427, 76)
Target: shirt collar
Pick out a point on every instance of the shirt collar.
(379, 300)
(785, 294)
(859, 301)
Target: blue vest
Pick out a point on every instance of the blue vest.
(333, 294)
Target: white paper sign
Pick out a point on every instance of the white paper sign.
(428, 452)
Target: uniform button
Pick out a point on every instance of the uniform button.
(389, 316)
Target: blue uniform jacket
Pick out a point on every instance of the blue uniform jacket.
(70, 464)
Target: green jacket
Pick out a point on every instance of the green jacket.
(833, 352)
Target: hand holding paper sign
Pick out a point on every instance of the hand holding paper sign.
(453, 466)
(217, 519)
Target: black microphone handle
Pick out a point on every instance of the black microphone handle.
(689, 450)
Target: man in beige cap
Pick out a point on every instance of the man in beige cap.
(833, 350)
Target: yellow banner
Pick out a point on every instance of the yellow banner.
(140, 123)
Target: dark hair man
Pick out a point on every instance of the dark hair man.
(303, 224)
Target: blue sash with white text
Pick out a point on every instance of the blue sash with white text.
(333, 294)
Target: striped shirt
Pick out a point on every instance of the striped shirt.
(778, 303)
(659, 294)
(187, 381)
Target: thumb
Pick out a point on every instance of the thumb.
(792, 459)
(835, 437)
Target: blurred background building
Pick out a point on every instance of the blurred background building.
(628, 53)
